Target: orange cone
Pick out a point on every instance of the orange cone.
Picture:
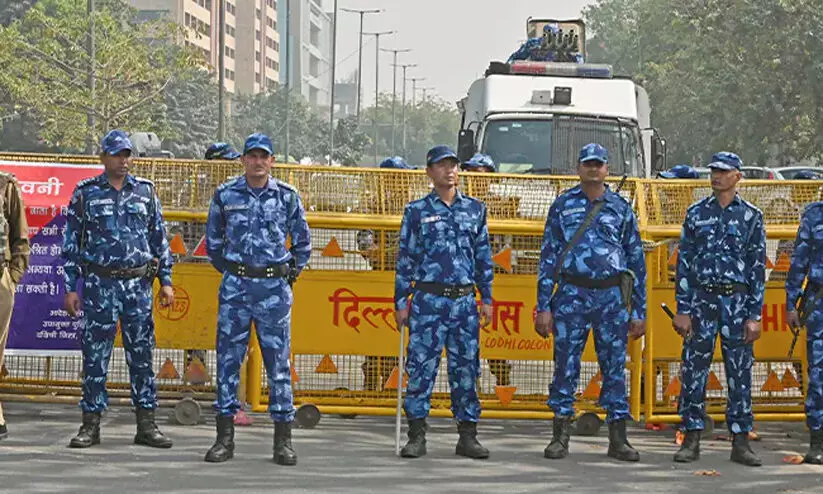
(326, 366)
(673, 389)
(714, 383)
(391, 382)
(505, 394)
(592, 390)
(168, 371)
(772, 383)
(789, 381)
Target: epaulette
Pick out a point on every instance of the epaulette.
(144, 181)
(228, 183)
(752, 206)
(285, 185)
(86, 181)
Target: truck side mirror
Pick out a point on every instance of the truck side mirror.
(659, 153)
(465, 145)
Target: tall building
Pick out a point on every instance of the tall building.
(251, 57)
(309, 69)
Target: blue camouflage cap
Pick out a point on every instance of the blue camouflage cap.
(680, 171)
(258, 141)
(116, 141)
(725, 160)
(221, 151)
(440, 153)
(396, 162)
(480, 160)
(593, 151)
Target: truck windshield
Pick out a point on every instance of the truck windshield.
(551, 146)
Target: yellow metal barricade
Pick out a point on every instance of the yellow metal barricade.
(778, 389)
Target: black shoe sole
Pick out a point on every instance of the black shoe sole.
(94, 442)
(464, 454)
(745, 463)
(142, 442)
(623, 458)
(812, 461)
(284, 462)
(211, 459)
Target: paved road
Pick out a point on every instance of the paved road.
(356, 456)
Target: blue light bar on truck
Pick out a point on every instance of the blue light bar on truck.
(588, 70)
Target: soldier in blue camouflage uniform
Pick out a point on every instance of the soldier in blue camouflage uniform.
(588, 277)
(807, 265)
(250, 219)
(116, 240)
(721, 276)
(444, 250)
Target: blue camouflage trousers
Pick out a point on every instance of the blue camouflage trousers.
(266, 302)
(435, 321)
(712, 314)
(105, 301)
(814, 353)
(575, 310)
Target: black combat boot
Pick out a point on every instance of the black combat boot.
(468, 445)
(742, 453)
(815, 454)
(283, 451)
(223, 449)
(690, 449)
(416, 447)
(147, 432)
(89, 433)
(559, 445)
(619, 447)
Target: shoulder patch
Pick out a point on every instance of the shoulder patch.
(752, 206)
(285, 185)
(228, 183)
(86, 181)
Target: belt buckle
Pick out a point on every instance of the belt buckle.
(727, 290)
(269, 272)
(448, 292)
(241, 270)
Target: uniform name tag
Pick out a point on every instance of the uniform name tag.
(431, 219)
(101, 201)
(235, 207)
(710, 221)
(573, 211)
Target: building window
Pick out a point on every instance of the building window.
(257, 77)
(206, 4)
(230, 8)
(314, 66)
(271, 83)
(230, 52)
(256, 55)
(272, 4)
(231, 31)
(229, 74)
(257, 35)
(271, 23)
(259, 15)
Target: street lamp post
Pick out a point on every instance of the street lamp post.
(360, 52)
(376, 84)
(331, 96)
(403, 117)
(394, 96)
(414, 88)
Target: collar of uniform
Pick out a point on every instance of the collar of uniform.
(243, 184)
(103, 180)
(608, 195)
(737, 199)
(458, 197)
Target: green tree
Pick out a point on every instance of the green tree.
(742, 75)
(46, 64)
(11, 10)
(192, 112)
(428, 123)
(266, 113)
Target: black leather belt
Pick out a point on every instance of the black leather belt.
(726, 289)
(118, 273)
(273, 271)
(449, 291)
(591, 283)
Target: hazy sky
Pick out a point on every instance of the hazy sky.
(453, 41)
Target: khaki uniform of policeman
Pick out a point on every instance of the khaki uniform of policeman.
(14, 242)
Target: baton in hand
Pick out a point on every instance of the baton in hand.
(671, 315)
(795, 335)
